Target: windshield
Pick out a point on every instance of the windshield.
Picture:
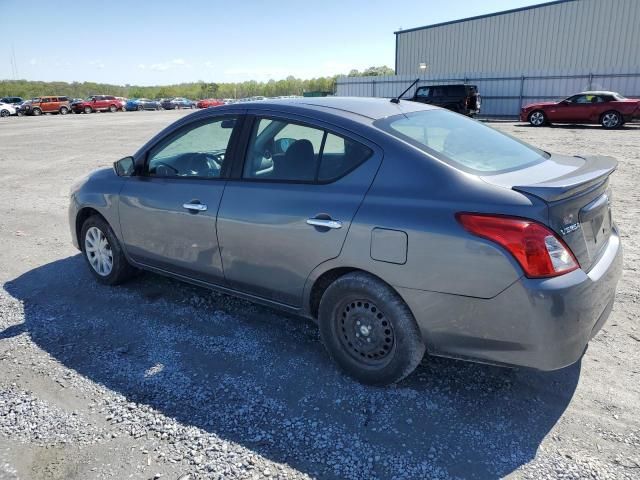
(617, 96)
(461, 142)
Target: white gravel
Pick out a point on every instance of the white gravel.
(157, 379)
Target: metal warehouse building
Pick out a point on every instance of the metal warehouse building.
(546, 51)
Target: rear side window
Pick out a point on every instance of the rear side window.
(286, 151)
(463, 143)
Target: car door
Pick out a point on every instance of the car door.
(291, 206)
(168, 210)
(572, 110)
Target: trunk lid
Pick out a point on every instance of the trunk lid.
(576, 190)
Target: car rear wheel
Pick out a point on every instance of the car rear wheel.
(368, 330)
(611, 120)
(64, 110)
(140, 108)
(88, 110)
(103, 253)
(37, 112)
(537, 118)
(4, 113)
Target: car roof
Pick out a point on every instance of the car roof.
(372, 108)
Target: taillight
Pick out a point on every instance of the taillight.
(537, 249)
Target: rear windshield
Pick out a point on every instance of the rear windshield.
(461, 142)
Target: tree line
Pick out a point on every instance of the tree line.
(193, 90)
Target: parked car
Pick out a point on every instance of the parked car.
(7, 109)
(98, 103)
(39, 105)
(209, 102)
(15, 101)
(177, 103)
(463, 98)
(399, 228)
(609, 109)
(142, 104)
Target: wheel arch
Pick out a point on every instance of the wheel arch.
(83, 214)
(325, 279)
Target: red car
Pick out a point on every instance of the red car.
(609, 109)
(209, 102)
(97, 103)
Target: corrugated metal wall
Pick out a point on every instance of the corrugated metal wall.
(542, 53)
(578, 36)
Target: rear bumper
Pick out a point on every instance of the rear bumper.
(538, 323)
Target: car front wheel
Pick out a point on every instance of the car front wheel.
(537, 118)
(611, 120)
(368, 330)
(103, 252)
(64, 110)
(88, 109)
(37, 112)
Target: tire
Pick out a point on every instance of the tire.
(611, 120)
(140, 108)
(358, 307)
(64, 110)
(88, 110)
(113, 108)
(94, 231)
(37, 112)
(537, 118)
(192, 106)
(4, 113)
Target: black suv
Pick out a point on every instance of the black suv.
(463, 99)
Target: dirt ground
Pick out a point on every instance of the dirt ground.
(157, 379)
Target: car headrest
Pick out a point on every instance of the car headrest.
(298, 162)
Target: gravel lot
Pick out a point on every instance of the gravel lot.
(157, 379)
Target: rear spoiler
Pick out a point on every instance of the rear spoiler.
(595, 171)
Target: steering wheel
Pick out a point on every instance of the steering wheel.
(166, 165)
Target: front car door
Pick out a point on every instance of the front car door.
(574, 109)
(290, 208)
(168, 211)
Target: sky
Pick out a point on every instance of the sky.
(161, 42)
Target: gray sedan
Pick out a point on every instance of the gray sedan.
(399, 227)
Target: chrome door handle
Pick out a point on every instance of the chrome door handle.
(324, 223)
(196, 207)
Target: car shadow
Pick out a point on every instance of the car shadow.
(262, 379)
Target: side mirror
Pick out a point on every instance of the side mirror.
(125, 167)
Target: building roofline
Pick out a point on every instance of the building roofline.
(504, 12)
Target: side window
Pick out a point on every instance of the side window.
(423, 92)
(196, 151)
(339, 156)
(285, 151)
(280, 150)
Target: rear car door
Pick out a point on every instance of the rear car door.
(168, 211)
(290, 207)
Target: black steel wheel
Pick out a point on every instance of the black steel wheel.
(368, 330)
(364, 331)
